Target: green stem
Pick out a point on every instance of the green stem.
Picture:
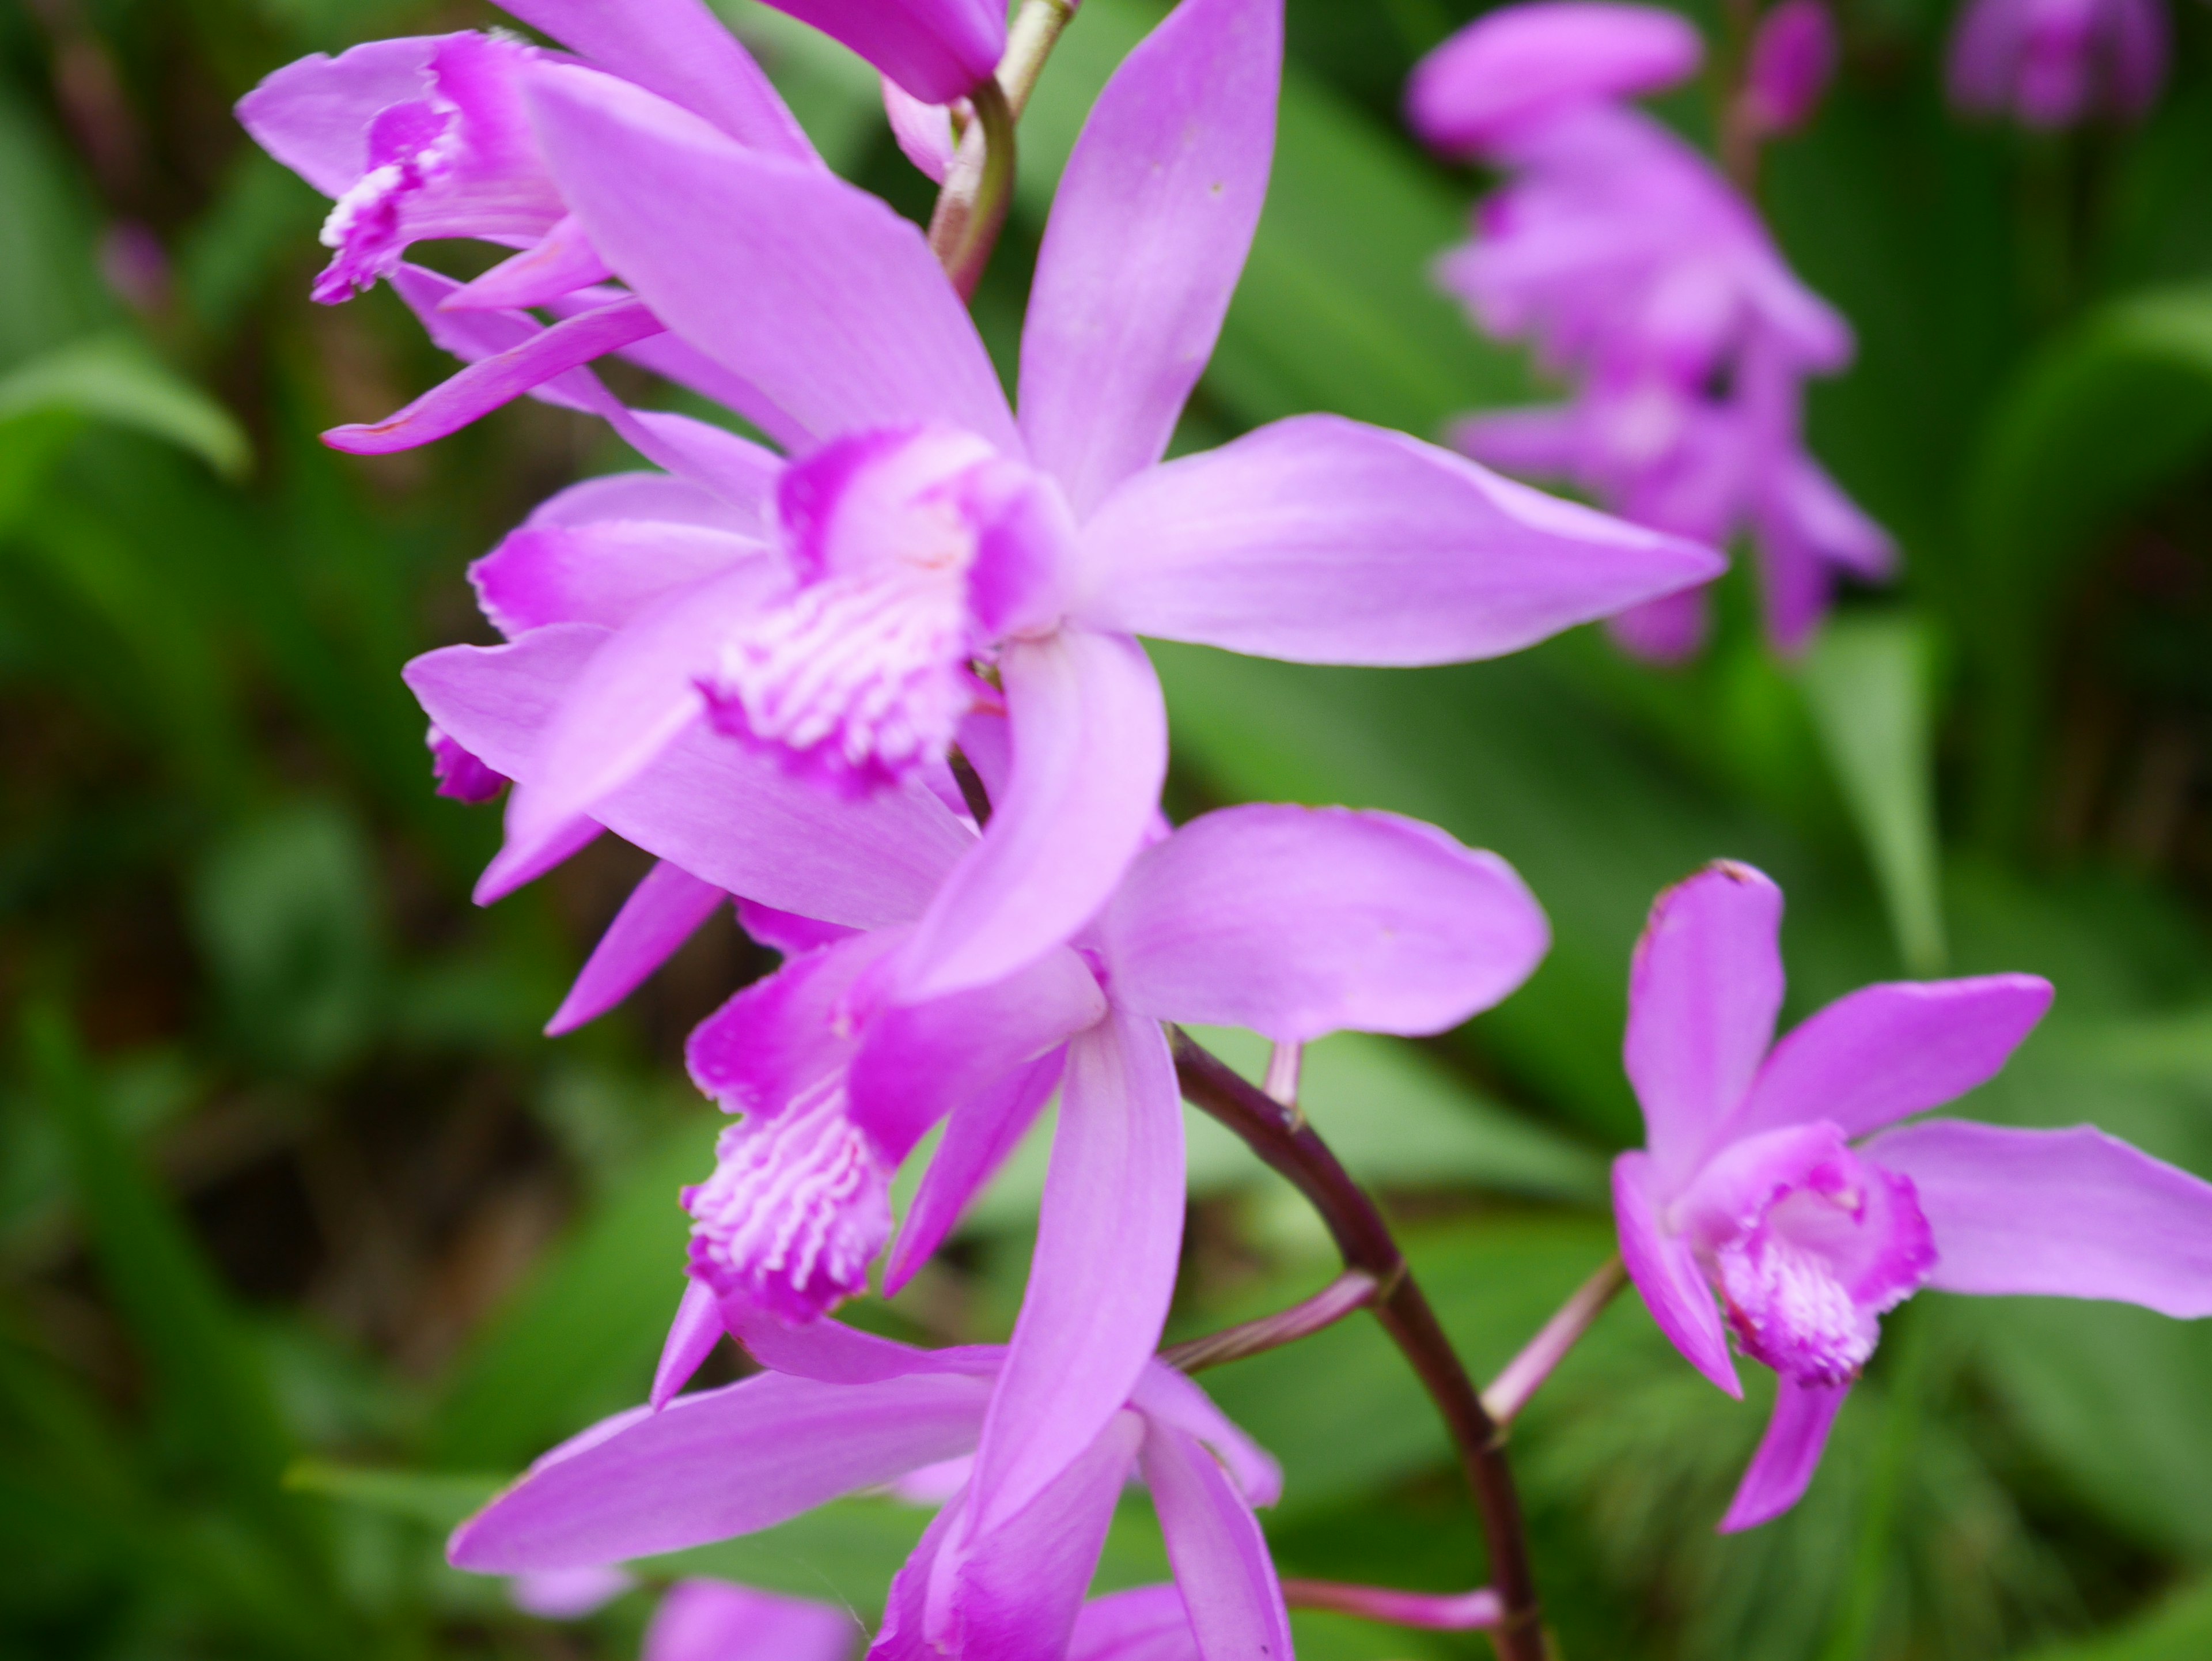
(973, 207)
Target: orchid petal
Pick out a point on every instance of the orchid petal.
(787, 931)
(644, 1483)
(692, 1336)
(1229, 1589)
(924, 131)
(979, 1134)
(1297, 921)
(1154, 217)
(920, 1060)
(716, 1620)
(2056, 1214)
(1146, 1623)
(832, 1353)
(1090, 734)
(680, 50)
(484, 385)
(1666, 1276)
(773, 1042)
(1788, 1455)
(1323, 541)
(1108, 1241)
(605, 573)
(1168, 1397)
(830, 303)
(314, 115)
(496, 700)
(1884, 1052)
(938, 50)
(1703, 989)
(562, 261)
(662, 911)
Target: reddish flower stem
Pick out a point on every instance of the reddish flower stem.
(1353, 1289)
(971, 208)
(1291, 1147)
(1525, 1374)
(1466, 1612)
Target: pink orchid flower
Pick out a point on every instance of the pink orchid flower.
(935, 49)
(845, 1412)
(2055, 62)
(1772, 1176)
(922, 531)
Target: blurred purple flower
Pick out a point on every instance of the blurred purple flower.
(2055, 62)
(1792, 59)
(997, 1573)
(704, 1620)
(1763, 1180)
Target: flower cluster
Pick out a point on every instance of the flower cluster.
(1642, 275)
(878, 684)
(2055, 62)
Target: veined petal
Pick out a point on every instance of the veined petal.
(1295, 921)
(716, 1621)
(2056, 1214)
(829, 303)
(1146, 1623)
(1883, 1053)
(680, 50)
(1229, 1589)
(1150, 226)
(1090, 736)
(662, 911)
(1703, 989)
(1323, 540)
(979, 1136)
(1788, 1455)
(938, 50)
(717, 1464)
(1666, 1276)
(1168, 1397)
(1108, 1241)
(314, 115)
(557, 264)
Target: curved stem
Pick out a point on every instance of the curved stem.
(1353, 1289)
(1525, 1374)
(1365, 1242)
(973, 207)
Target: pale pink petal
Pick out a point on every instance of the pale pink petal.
(1090, 735)
(1168, 1397)
(938, 50)
(1666, 1276)
(648, 1482)
(1883, 1053)
(1297, 921)
(979, 1136)
(924, 131)
(1789, 1454)
(314, 115)
(495, 701)
(1229, 1589)
(662, 911)
(605, 573)
(1146, 1623)
(1324, 540)
(1108, 1237)
(680, 50)
(692, 1336)
(562, 261)
(1154, 217)
(1703, 989)
(2056, 1214)
(829, 303)
(716, 1621)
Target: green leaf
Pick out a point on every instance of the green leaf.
(2177, 1629)
(112, 378)
(1867, 682)
(436, 1499)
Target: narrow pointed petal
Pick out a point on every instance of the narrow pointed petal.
(1150, 228)
(716, 1621)
(603, 568)
(2056, 1214)
(562, 261)
(787, 931)
(692, 1336)
(1168, 1397)
(920, 1060)
(665, 910)
(1146, 1623)
(1703, 989)
(832, 1353)
(1667, 1277)
(1883, 1053)
(495, 701)
(979, 1136)
(1104, 1273)
(924, 131)
(938, 50)
(830, 303)
(647, 1482)
(1323, 541)
(315, 114)
(486, 385)
(682, 50)
(1297, 921)
(1788, 1456)
(1090, 733)
(1230, 1588)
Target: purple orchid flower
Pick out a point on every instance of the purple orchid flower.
(2055, 62)
(1640, 273)
(922, 531)
(1770, 1175)
(1792, 59)
(707, 1620)
(427, 138)
(936, 51)
(846, 1412)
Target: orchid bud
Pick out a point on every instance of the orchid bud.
(1793, 58)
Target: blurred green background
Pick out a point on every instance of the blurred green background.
(307, 1238)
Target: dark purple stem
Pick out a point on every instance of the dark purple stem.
(1292, 1148)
